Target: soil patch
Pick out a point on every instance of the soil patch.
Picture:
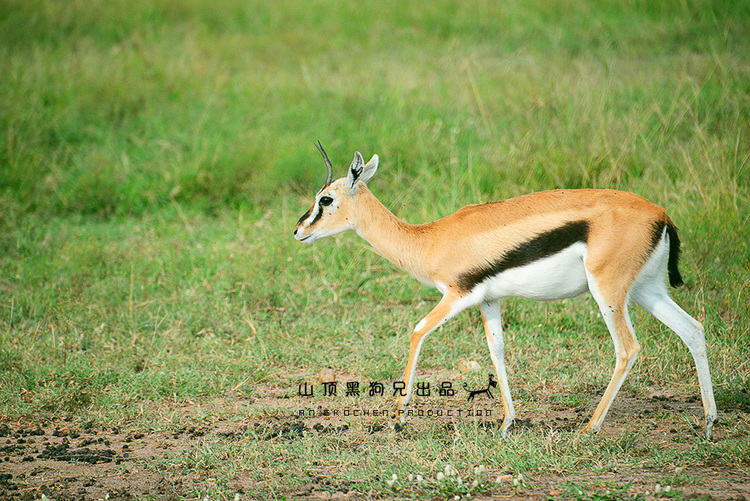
(67, 462)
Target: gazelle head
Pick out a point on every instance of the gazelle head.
(334, 209)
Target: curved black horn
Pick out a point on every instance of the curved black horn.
(328, 162)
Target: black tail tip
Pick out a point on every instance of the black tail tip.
(675, 279)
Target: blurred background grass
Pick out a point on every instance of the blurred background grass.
(154, 156)
(117, 108)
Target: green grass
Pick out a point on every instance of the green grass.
(154, 157)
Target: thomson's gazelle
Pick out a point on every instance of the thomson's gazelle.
(547, 245)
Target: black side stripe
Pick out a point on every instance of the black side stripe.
(541, 246)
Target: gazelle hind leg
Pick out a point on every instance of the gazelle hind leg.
(655, 300)
(614, 308)
(494, 330)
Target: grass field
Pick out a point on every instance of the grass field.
(154, 157)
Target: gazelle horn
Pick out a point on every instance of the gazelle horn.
(328, 162)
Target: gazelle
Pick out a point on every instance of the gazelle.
(547, 245)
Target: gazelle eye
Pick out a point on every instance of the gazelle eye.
(326, 201)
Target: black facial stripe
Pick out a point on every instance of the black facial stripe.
(317, 216)
(541, 246)
(304, 216)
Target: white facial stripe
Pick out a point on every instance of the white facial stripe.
(316, 214)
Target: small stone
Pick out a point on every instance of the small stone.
(327, 375)
(469, 366)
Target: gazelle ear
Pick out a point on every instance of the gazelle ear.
(359, 171)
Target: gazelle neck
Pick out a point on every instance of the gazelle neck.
(394, 239)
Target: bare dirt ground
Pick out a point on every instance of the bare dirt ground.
(67, 462)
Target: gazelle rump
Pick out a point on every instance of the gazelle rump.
(545, 246)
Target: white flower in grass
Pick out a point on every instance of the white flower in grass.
(450, 471)
(392, 481)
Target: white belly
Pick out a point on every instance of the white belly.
(559, 276)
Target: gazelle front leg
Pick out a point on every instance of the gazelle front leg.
(494, 330)
(444, 310)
